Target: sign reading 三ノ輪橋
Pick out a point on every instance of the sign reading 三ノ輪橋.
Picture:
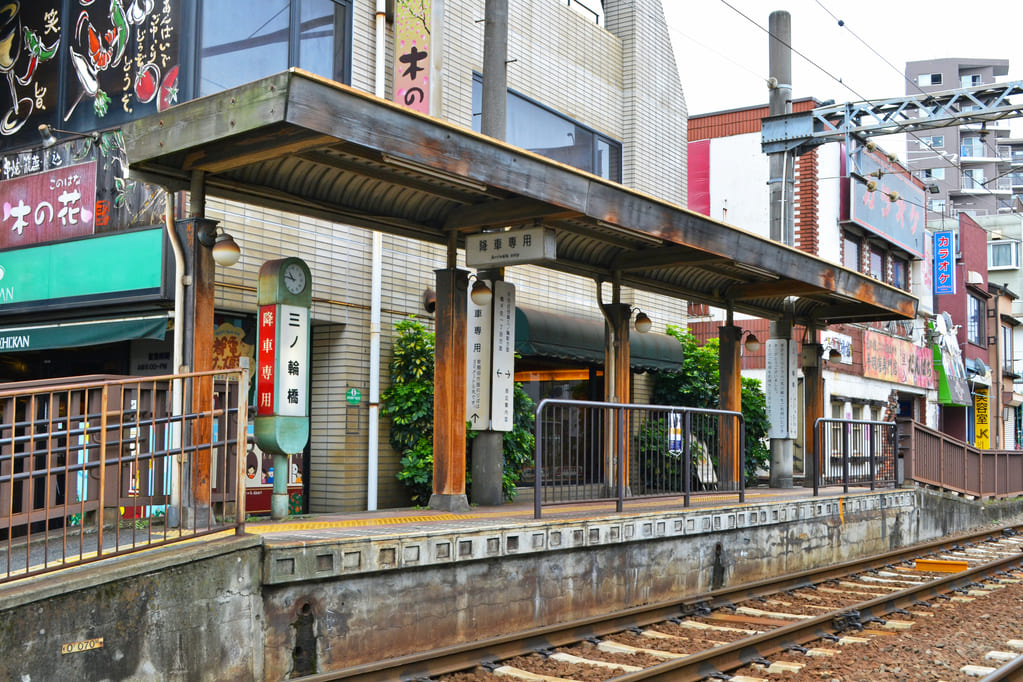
(412, 73)
(883, 197)
(897, 360)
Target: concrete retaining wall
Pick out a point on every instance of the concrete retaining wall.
(262, 609)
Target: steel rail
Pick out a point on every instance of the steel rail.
(1013, 670)
(462, 656)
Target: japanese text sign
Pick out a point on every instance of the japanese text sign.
(900, 221)
(283, 380)
(412, 54)
(51, 206)
(944, 263)
(891, 359)
(510, 247)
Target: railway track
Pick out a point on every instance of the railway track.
(759, 629)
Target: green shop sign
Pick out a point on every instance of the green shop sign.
(114, 268)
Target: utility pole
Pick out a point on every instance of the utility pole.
(782, 229)
(488, 445)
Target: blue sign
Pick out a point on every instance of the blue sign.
(944, 263)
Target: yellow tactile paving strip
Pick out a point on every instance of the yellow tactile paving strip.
(550, 513)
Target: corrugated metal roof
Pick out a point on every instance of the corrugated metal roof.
(299, 143)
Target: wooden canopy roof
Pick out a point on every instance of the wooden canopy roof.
(303, 144)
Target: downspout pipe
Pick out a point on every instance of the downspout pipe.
(376, 282)
(176, 353)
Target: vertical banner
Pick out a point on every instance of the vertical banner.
(944, 263)
(293, 364)
(412, 54)
(478, 342)
(265, 380)
(780, 385)
(502, 401)
(981, 428)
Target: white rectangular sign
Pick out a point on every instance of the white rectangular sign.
(478, 342)
(780, 386)
(502, 416)
(510, 247)
(293, 361)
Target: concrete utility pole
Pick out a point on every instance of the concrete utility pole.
(488, 445)
(782, 226)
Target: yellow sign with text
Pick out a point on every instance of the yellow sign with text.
(981, 428)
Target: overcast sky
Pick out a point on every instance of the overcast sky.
(723, 57)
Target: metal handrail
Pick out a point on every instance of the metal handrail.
(847, 451)
(670, 424)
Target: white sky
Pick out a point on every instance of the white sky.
(723, 58)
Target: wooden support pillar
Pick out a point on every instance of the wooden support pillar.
(617, 388)
(813, 404)
(449, 392)
(730, 398)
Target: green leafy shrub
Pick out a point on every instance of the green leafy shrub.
(409, 402)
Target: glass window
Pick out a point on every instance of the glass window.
(851, 253)
(975, 324)
(1003, 255)
(1007, 348)
(534, 127)
(900, 273)
(973, 178)
(927, 79)
(970, 80)
(877, 263)
(269, 36)
(932, 140)
(933, 173)
(936, 205)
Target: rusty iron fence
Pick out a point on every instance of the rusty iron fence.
(933, 458)
(108, 466)
(853, 452)
(597, 451)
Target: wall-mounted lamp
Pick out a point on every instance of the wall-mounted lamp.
(481, 294)
(429, 300)
(46, 133)
(933, 188)
(643, 322)
(225, 248)
(752, 343)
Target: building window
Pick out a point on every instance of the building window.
(1007, 349)
(973, 178)
(936, 206)
(933, 173)
(877, 263)
(932, 140)
(532, 126)
(975, 323)
(1003, 254)
(900, 273)
(971, 146)
(970, 80)
(851, 253)
(271, 36)
(928, 79)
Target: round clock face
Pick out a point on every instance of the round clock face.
(294, 278)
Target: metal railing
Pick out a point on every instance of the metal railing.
(99, 468)
(597, 451)
(933, 458)
(853, 452)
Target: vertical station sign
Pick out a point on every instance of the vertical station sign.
(781, 385)
(502, 395)
(490, 400)
(479, 331)
(282, 374)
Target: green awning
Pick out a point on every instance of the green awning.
(81, 333)
(549, 335)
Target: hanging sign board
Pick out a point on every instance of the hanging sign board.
(478, 343)
(502, 397)
(510, 247)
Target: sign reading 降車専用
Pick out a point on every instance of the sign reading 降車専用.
(118, 267)
(510, 247)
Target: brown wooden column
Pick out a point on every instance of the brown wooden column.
(198, 357)
(730, 398)
(813, 404)
(449, 392)
(617, 387)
